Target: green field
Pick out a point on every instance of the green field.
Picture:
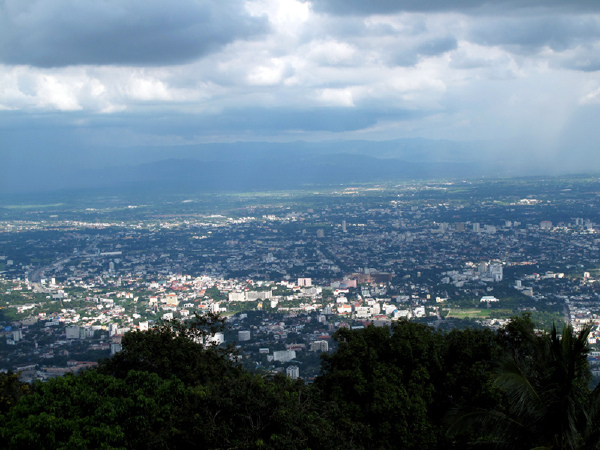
(468, 314)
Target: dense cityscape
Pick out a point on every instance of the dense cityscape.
(287, 269)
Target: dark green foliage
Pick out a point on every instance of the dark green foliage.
(469, 357)
(94, 410)
(167, 390)
(11, 390)
(398, 387)
(175, 349)
(251, 412)
(380, 380)
(143, 411)
(546, 402)
(548, 390)
(394, 387)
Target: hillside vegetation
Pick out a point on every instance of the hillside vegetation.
(408, 386)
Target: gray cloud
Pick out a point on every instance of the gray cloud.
(402, 42)
(66, 131)
(54, 33)
(585, 58)
(532, 33)
(361, 7)
(437, 46)
(267, 121)
(409, 55)
(356, 27)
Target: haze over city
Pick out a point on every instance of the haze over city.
(96, 85)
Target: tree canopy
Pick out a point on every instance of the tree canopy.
(404, 386)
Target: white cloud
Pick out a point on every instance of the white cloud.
(591, 95)
(333, 53)
(58, 93)
(285, 16)
(146, 88)
(268, 75)
(336, 97)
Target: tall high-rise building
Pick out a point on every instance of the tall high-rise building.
(304, 282)
(72, 332)
(320, 233)
(496, 272)
(344, 230)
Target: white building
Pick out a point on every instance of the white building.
(419, 311)
(17, 335)
(284, 355)
(216, 339)
(115, 348)
(292, 372)
(319, 346)
(496, 272)
(73, 332)
(236, 297)
(243, 335)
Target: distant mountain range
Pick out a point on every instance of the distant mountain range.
(273, 173)
(252, 166)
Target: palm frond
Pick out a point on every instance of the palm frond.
(492, 426)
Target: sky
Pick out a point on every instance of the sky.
(84, 81)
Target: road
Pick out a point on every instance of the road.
(567, 314)
(35, 277)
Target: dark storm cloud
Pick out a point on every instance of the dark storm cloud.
(53, 33)
(362, 7)
(61, 132)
